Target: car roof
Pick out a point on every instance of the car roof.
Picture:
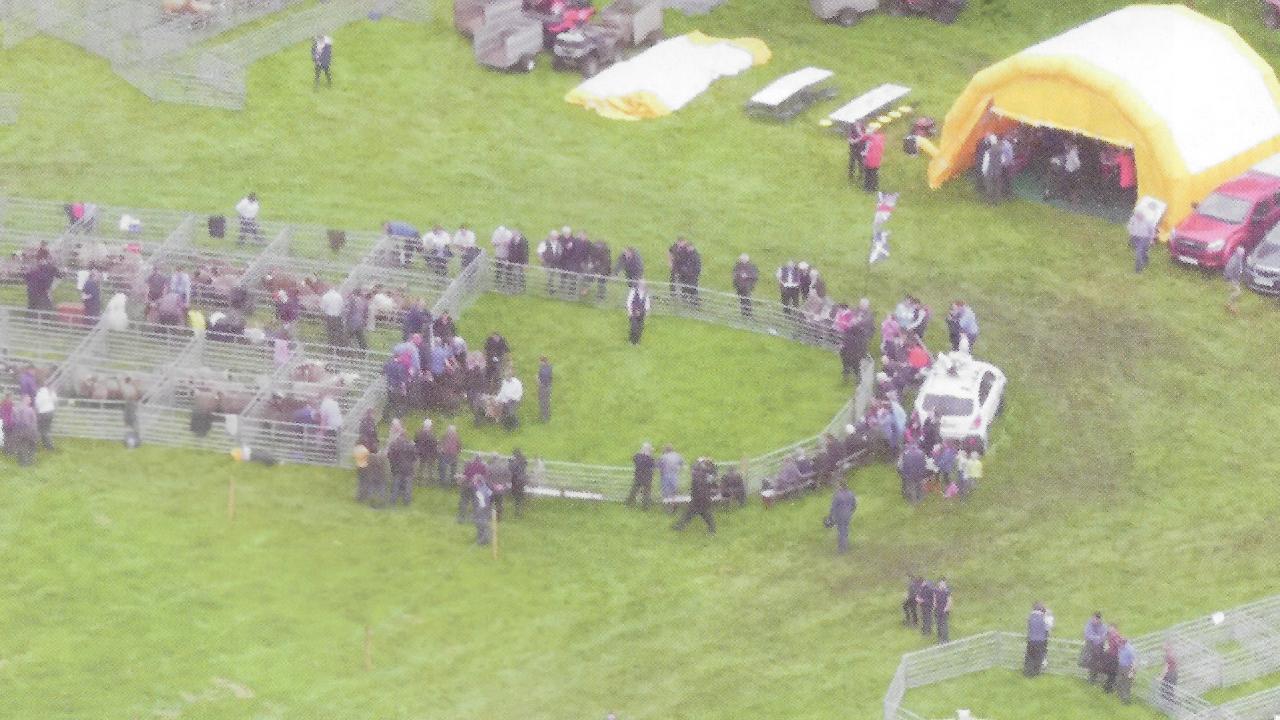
(964, 382)
(1250, 186)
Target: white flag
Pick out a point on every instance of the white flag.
(879, 247)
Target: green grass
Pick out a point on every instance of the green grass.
(1009, 696)
(1220, 696)
(1131, 471)
(682, 384)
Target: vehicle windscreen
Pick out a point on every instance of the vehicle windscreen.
(1225, 208)
(944, 405)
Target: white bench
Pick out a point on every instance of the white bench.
(791, 94)
(868, 103)
(540, 491)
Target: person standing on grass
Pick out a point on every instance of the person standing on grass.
(1126, 668)
(450, 446)
(843, 505)
(1233, 272)
(544, 389)
(91, 295)
(46, 402)
(1095, 636)
(942, 610)
(357, 320)
(518, 469)
(745, 277)
(332, 307)
(402, 456)
(475, 471)
(962, 325)
(630, 265)
(925, 601)
(1142, 234)
(322, 59)
(642, 477)
(857, 140)
(669, 466)
(910, 606)
(1111, 656)
(24, 432)
(699, 498)
(248, 209)
(1038, 626)
(425, 443)
(638, 309)
(39, 280)
(1169, 675)
(872, 156)
(481, 498)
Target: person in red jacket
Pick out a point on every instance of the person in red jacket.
(872, 155)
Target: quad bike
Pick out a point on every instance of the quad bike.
(1271, 14)
(559, 16)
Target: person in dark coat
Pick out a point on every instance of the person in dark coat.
(518, 256)
(925, 602)
(39, 280)
(642, 478)
(843, 505)
(638, 310)
(733, 486)
(91, 295)
(1038, 626)
(518, 469)
(425, 444)
(910, 606)
(703, 474)
(402, 457)
(630, 265)
(369, 432)
(416, 321)
(913, 468)
(1095, 638)
(481, 502)
(322, 59)
(600, 259)
(495, 352)
(474, 473)
(745, 277)
(942, 610)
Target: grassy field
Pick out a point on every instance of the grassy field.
(1131, 471)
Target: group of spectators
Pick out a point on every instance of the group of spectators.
(707, 484)
(928, 606)
(26, 421)
(436, 247)
(1107, 655)
(388, 476)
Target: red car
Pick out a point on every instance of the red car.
(1237, 214)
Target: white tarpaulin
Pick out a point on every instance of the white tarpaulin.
(1214, 100)
(667, 76)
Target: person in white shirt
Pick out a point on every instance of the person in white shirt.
(435, 245)
(508, 399)
(46, 403)
(248, 209)
(332, 307)
(465, 237)
(330, 422)
(501, 242)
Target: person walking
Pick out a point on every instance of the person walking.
(449, 447)
(699, 498)
(910, 606)
(942, 609)
(843, 505)
(1233, 272)
(1038, 625)
(642, 477)
(544, 389)
(745, 277)
(1126, 668)
(1142, 234)
(322, 59)
(638, 308)
(1095, 636)
(402, 456)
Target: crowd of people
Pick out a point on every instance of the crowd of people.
(26, 421)
(927, 606)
